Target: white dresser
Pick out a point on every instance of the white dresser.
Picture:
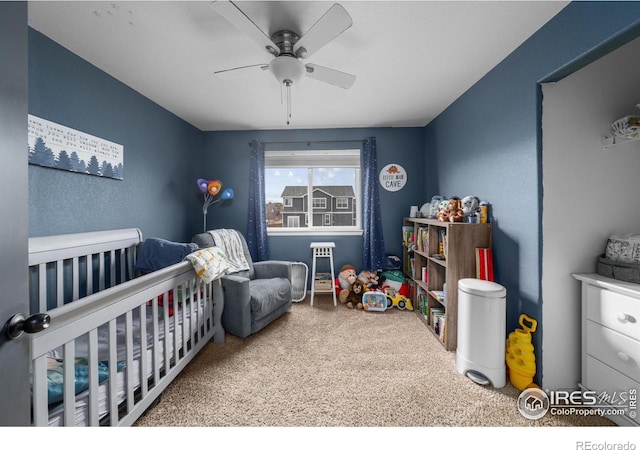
(611, 342)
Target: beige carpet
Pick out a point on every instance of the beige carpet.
(335, 367)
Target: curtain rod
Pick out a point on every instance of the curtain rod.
(308, 143)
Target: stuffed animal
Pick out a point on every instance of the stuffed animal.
(469, 205)
(354, 295)
(369, 279)
(453, 211)
(346, 278)
(434, 206)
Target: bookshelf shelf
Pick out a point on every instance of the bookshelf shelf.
(434, 279)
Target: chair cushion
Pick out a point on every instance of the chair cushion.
(267, 295)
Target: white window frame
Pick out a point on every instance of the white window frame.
(293, 219)
(342, 203)
(311, 159)
(319, 203)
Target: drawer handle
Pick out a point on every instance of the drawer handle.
(624, 317)
(623, 356)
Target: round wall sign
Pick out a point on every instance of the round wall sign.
(393, 177)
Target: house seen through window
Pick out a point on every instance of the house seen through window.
(312, 191)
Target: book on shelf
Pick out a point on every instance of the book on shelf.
(438, 322)
(440, 295)
(407, 235)
(422, 240)
(484, 264)
(442, 243)
(442, 328)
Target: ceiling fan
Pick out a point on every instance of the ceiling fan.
(288, 49)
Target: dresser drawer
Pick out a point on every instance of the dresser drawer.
(614, 349)
(613, 386)
(614, 310)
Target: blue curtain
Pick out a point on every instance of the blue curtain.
(256, 223)
(373, 254)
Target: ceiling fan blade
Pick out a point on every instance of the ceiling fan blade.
(335, 21)
(240, 71)
(237, 18)
(330, 76)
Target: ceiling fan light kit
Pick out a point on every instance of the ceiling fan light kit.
(287, 48)
(287, 68)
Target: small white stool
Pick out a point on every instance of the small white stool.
(323, 250)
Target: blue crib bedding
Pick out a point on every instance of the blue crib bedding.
(55, 376)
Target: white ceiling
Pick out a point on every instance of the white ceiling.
(412, 59)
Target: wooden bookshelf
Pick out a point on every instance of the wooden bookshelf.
(446, 251)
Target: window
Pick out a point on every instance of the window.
(313, 191)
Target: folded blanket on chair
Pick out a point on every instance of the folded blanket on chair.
(209, 263)
(229, 241)
(157, 254)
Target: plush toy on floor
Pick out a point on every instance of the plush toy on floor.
(354, 295)
(369, 278)
(346, 278)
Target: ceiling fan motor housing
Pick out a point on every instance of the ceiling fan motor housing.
(286, 67)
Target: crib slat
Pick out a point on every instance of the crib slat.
(196, 317)
(207, 308)
(186, 326)
(129, 348)
(59, 283)
(113, 373)
(144, 386)
(42, 287)
(112, 268)
(166, 340)
(94, 419)
(156, 343)
(75, 279)
(69, 391)
(123, 273)
(40, 392)
(89, 259)
(100, 271)
(177, 327)
(192, 316)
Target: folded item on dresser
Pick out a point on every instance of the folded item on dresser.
(157, 254)
(209, 263)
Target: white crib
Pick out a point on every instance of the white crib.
(128, 335)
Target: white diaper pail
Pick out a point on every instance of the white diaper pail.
(482, 309)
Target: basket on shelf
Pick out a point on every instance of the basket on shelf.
(627, 127)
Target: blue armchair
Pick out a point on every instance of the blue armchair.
(253, 298)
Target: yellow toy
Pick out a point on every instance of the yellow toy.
(520, 358)
(395, 299)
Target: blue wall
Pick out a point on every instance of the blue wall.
(161, 153)
(498, 156)
(227, 159)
